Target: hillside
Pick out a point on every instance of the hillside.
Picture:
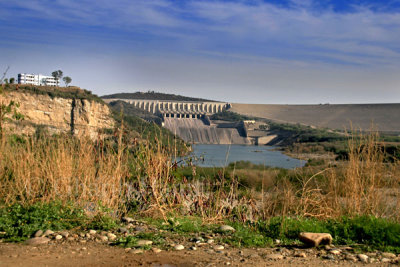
(384, 117)
(151, 95)
(71, 92)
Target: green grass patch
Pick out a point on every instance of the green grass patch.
(19, 222)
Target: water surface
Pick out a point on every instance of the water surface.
(222, 155)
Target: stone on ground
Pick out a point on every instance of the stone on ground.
(274, 257)
(143, 242)
(48, 232)
(179, 247)
(37, 241)
(38, 233)
(388, 255)
(227, 228)
(315, 239)
(111, 236)
(156, 250)
(363, 258)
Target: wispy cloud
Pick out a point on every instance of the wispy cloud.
(313, 34)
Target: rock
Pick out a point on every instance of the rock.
(37, 241)
(301, 255)
(226, 228)
(350, 257)
(210, 241)
(104, 238)
(277, 241)
(315, 239)
(198, 240)
(140, 229)
(58, 237)
(71, 238)
(388, 255)
(38, 233)
(328, 257)
(127, 219)
(335, 251)
(156, 250)
(64, 234)
(92, 232)
(219, 247)
(274, 257)
(179, 247)
(386, 260)
(137, 251)
(128, 249)
(88, 236)
(123, 230)
(47, 233)
(111, 236)
(193, 248)
(142, 243)
(363, 258)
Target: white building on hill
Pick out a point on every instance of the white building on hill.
(37, 79)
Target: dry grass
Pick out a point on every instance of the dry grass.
(140, 178)
(106, 174)
(363, 185)
(61, 169)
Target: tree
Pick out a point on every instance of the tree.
(57, 74)
(12, 80)
(67, 80)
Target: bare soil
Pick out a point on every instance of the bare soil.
(96, 254)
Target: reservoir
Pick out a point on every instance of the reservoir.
(222, 155)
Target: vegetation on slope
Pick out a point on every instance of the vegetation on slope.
(147, 127)
(151, 95)
(131, 110)
(229, 116)
(71, 92)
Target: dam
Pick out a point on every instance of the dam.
(176, 109)
(190, 120)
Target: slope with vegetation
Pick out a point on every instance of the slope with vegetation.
(151, 95)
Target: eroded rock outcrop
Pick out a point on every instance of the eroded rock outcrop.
(81, 117)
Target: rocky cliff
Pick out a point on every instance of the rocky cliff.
(81, 117)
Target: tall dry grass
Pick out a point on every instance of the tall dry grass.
(140, 177)
(61, 169)
(362, 185)
(116, 175)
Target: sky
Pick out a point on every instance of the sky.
(247, 51)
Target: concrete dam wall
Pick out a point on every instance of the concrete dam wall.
(194, 130)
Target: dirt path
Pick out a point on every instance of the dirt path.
(95, 254)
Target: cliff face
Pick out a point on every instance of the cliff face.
(59, 115)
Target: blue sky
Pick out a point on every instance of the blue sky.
(283, 52)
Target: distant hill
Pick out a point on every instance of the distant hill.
(151, 95)
(383, 117)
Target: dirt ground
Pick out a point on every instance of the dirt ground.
(95, 254)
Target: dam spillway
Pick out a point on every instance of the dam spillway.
(195, 131)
